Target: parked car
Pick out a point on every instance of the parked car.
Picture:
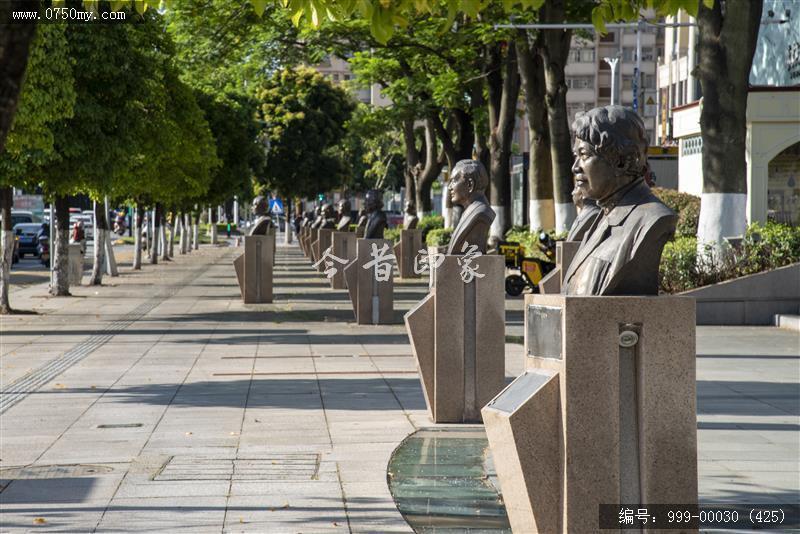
(21, 216)
(27, 233)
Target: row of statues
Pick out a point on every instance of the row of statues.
(622, 225)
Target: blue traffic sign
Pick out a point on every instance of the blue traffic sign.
(275, 206)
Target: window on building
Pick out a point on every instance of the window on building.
(649, 81)
(610, 37)
(574, 56)
(604, 65)
(587, 55)
(628, 54)
(692, 145)
(627, 82)
(604, 92)
(647, 53)
(580, 82)
(335, 77)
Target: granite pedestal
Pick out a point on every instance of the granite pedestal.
(344, 247)
(552, 281)
(604, 413)
(254, 268)
(324, 242)
(457, 335)
(373, 299)
(407, 250)
(310, 240)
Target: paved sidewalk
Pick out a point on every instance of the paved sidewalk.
(161, 403)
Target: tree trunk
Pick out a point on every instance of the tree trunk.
(15, 43)
(7, 244)
(504, 84)
(137, 238)
(156, 233)
(541, 211)
(100, 229)
(182, 233)
(173, 217)
(413, 159)
(60, 249)
(428, 174)
(111, 260)
(726, 44)
(162, 236)
(554, 55)
(213, 226)
(196, 231)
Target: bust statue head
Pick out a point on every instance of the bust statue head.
(344, 208)
(410, 209)
(260, 206)
(468, 181)
(373, 201)
(327, 211)
(610, 150)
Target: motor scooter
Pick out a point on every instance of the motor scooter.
(531, 270)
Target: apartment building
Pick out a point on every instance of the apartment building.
(588, 75)
(338, 71)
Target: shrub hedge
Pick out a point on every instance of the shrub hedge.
(439, 237)
(428, 223)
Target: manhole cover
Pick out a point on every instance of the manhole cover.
(275, 467)
(53, 471)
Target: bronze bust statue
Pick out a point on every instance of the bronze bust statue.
(317, 217)
(344, 216)
(376, 218)
(410, 220)
(468, 181)
(620, 252)
(328, 218)
(259, 208)
(588, 211)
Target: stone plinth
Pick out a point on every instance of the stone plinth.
(301, 238)
(406, 251)
(457, 334)
(344, 247)
(75, 264)
(551, 283)
(604, 414)
(254, 268)
(323, 242)
(373, 300)
(310, 240)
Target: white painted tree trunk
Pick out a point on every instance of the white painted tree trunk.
(721, 215)
(181, 235)
(195, 235)
(137, 241)
(60, 250)
(541, 214)
(164, 244)
(98, 263)
(171, 239)
(565, 215)
(287, 238)
(213, 232)
(111, 260)
(5, 269)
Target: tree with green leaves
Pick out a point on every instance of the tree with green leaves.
(47, 98)
(727, 35)
(303, 118)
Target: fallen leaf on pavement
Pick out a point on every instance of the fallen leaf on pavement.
(40, 521)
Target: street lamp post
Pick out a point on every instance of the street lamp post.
(612, 61)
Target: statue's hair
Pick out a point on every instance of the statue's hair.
(474, 171)
(377, 194)
(617, 134)
(345, 204)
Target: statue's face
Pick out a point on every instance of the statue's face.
(327, 211)
(595, 177)
(460, 189)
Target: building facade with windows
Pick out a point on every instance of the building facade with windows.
(588, 75)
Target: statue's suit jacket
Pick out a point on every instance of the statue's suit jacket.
(620, 255)
(376, 224)
(473, 227)
(583, 222)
